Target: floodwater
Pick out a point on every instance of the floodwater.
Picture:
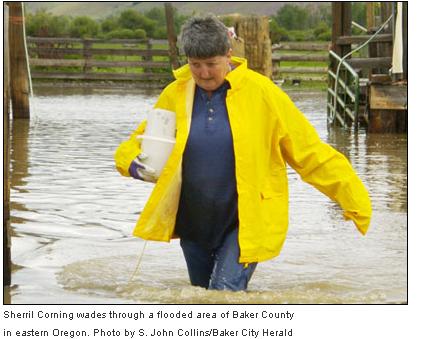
(73, 214)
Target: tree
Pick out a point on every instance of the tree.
(358, 12)
(110, 24)
(325, 14)
(84, 27)
(132, 19)
(44, 24)
(292, 17)
(277, 33)
(125, 33)
(322, 32)
(151, 25)
(179, 20)
(156, 14)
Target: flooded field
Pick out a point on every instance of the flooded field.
(73, 215)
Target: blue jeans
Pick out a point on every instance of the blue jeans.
(217, 269)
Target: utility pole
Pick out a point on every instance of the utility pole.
(7, 264)
(172, 38)
(19, 80)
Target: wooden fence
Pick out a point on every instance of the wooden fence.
(300, 61)
(146, 61)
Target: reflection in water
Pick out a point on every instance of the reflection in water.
(73, 215)
(19, 153)
(19, 164)
(380, 159)
(6, 295)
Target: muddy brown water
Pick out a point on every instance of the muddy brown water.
(73, 214)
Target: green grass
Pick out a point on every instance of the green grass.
(306, 86)
(303, 64)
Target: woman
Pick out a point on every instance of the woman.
(224, 189)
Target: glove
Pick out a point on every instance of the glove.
(141, 171)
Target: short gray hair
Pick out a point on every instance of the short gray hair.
(204, 37)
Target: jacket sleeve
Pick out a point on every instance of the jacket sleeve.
(128, 150)
(321, 165)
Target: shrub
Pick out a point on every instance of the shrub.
(140, 34)
(84, 27)
(307, 35)
(109, 24)
(121, 33)
(160, 33)
(325, 36)
(133, 20)
(277, 33)
(44, 24)
(322, 32)
(292, 17)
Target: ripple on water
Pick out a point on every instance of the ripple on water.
(113, 276)
(73, 215)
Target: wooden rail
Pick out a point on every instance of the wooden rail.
(300, 57)
(359, 39)
(100, 60)
(95, 63)
(301, 46)
(101, 76)
(304, 52)
(368, 63)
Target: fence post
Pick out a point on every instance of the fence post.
(404, 24)
(254, 30)
(371, 29)
(19, 81)
(384, 48)
(148, 56)
(370, 15)
(172, 38)
(7, 264)
(341, 26)
(87, 45)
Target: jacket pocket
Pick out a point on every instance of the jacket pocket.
(274, 210)
(266, 195)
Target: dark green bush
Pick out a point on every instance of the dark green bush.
(152, 25)
(322, 32)
(110, 24)
(84, 27)
(277, 33)
(121, 33)
(44, 24)
(296, 35)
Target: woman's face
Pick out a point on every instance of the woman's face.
(209, 73)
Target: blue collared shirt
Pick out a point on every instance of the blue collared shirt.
(208, 200)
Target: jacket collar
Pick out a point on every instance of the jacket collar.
(235, 77)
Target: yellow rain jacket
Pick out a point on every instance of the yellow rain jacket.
(269, 132)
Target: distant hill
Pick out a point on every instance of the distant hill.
(99, 10)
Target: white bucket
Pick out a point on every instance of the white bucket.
(158, 151)
(161, 124)
(159, 138)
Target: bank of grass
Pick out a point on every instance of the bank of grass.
(319, 86)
